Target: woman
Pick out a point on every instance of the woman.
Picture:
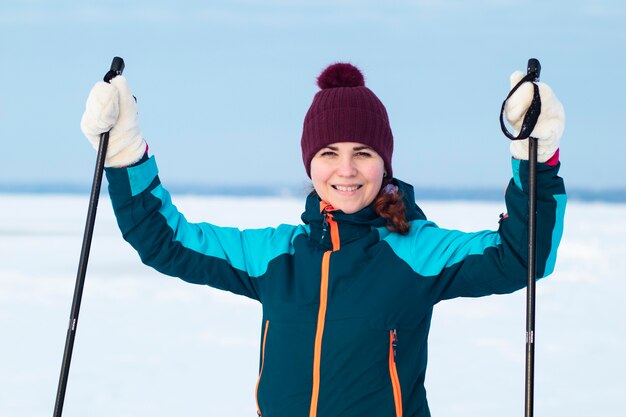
(348, 295)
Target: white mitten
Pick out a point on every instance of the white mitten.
(113, 107)
(550, 124)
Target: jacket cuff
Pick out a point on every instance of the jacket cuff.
(131, 181)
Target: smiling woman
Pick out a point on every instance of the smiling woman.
(348, 295)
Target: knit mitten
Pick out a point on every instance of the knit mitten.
(550, 125)
(112, 107)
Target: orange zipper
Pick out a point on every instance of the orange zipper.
(258, 381)
(393, 371)
(321, 314)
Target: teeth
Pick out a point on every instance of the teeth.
(343, 188)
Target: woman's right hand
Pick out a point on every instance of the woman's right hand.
(112, 107)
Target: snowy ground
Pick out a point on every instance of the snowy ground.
(149, 345)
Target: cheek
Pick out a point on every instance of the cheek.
(319, 177)
(374, 174)
(374, 177)
(319, 173)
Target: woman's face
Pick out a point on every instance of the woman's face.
(347, 175)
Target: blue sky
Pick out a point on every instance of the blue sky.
(223, 86)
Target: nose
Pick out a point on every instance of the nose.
(346, 167)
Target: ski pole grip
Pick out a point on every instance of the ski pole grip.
(117, 67)
(533, 69)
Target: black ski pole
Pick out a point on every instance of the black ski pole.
(117, 66)
(528, 125)
(534, 68)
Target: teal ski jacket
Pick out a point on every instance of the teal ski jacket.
(346, 304)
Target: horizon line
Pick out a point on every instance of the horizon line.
(485, 193)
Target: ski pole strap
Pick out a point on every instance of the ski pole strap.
(532, 114)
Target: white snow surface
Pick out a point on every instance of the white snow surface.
(152, 345)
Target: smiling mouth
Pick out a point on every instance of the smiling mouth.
(346, 188)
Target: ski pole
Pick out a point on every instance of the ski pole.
(528, 125)
(117, 67)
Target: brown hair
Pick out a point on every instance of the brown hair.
(389, 205)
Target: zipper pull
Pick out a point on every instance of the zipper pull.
(394, 341)
(324, 225)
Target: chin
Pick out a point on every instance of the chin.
(349, 209)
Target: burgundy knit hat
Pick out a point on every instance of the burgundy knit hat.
(344, 110)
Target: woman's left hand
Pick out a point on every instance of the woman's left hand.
(550, 125)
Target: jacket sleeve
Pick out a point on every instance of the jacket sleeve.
(201, 253)
(452, 263)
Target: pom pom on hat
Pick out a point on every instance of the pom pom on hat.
(345, 110)
(340, 75)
